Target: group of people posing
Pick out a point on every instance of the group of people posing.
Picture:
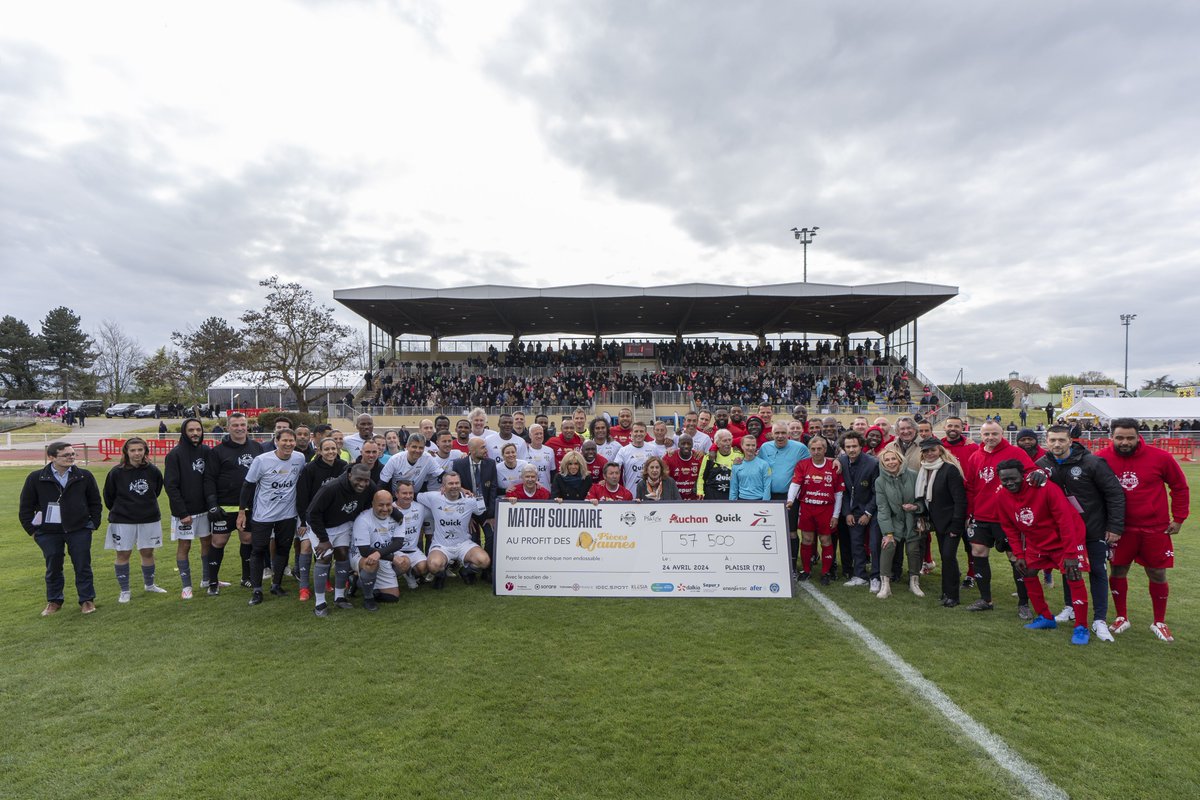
(362, 511)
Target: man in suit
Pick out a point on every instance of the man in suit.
(478, 473)
(942, 495)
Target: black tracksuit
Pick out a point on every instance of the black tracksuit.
(336, 503)
(126, 504)
(315, 475)
(186, 467)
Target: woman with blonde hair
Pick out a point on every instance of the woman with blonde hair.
(573, 480)
(896, 496)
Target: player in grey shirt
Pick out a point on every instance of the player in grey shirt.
(414, 465)
(270, 489)
(450, 512)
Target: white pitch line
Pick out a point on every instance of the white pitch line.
(1027, 774)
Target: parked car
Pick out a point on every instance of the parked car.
(145, 411)
(121, 410)
(89, 407)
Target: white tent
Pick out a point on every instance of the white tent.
(1140, 408)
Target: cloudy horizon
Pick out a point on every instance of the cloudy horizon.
(159, 160)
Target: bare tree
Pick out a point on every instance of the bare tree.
(294, 340)
(118, 357)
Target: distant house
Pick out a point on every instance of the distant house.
(1022, 389)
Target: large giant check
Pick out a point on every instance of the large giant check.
(696, 549)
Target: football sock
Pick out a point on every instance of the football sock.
(1023, 588)
(793, 551)
(341, 574)
(1079, 601)
(1119, 587)
(185, 572)
(302, 562)
(1158, 599)
(366, 582)
(147, 575)
(278, 565)
(1037, 598)
(246, 551)
(215, 556)
(256, 570)
(320, 577)
(806, 554)
(826, 558)
(983, 578)
(122, 571)
(204, 568)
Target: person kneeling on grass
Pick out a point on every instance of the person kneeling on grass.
(896, 495)
(1045, 532)
(378, 540)
(451, 511)
(134, 520)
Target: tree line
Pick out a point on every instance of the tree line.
(289, 338)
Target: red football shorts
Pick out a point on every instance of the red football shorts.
(815, 518)
(1039, 561)
(1150, 547)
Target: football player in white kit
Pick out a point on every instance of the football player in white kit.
(414, 464)
(539, 455)
(632, 457)
(450, 512)
(270, 489)
(378, 538)
(496, 442)
(508, 469)
(410, 561)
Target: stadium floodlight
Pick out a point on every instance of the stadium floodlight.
(1127, 320)
(805, 236)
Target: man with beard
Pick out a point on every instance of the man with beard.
(497, 441)
(622, 432)
(1151, 523)
(736, 423)
(955, 442)
(592, 460)
(831, 432)
(701, 441)
(859, 471)
(231, 460)
(462, 436)
(186, 467)
(415, 464)
(1094, 491)
(632, 457)
(606, 446)
(1027, 440)
(365, 425)
(369, 455)
(451, 513)
(566, 441)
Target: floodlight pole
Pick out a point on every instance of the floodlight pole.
(805, 237)
(1127, 320)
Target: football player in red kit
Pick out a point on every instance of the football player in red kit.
(817, 486)
(1145, 474)
(1044, 532)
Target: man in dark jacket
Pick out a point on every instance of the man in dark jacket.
(230, 461)
(60, 507)
(859, 471)
(330, 516)
(478, 473)
(1094, 490)
(186, 466)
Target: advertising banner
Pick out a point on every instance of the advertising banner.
(692, 549)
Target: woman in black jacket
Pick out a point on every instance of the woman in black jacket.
(573, 479)
(131, 493)
(942, 498)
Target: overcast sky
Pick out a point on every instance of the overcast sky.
(158, 158)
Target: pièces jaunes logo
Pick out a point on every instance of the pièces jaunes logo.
(604, 541)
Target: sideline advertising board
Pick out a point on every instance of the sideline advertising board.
(669, 549)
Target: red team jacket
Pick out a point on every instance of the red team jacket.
(561, 447)
(983, 484)
(684, 473)
(1145, 476)
(962, 451)
(1039, 520)
(622, 435)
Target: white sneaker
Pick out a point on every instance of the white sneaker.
(125, 596)
(154, 588)
(410, 580)
(855, 581)
(875, 586)
(287, 572)
(1100, 628)
(1066, 615)
(268, 574)
(186, 594)
(203, 584)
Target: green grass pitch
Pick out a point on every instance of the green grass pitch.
(462, 694)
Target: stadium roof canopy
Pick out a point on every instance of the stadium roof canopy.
(680, 310)
(1136, 407)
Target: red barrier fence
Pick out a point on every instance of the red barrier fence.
(1184, 449)
(158, 447)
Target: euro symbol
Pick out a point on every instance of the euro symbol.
(768, 543)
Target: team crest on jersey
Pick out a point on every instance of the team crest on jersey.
(1025, 516)
(986, 474)
(244, 460)
(198, 465)
(1129, 481)
(828, 478)
(350, 507)
(1076, 472)
(140, 486)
